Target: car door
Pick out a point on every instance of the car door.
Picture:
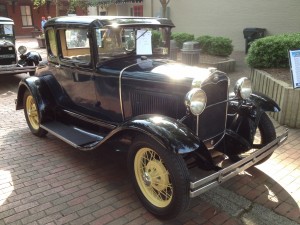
(74, 71)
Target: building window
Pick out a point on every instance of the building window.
(137, 10)
(3, 11)
(26, 16)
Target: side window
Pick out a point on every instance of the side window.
(77, 38)
(52, 43)
(75, 46)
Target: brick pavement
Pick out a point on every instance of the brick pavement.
(45, 181)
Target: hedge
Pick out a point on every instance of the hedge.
(272, 51)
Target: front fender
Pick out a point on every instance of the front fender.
(264, 102)
(172, 134)
(34, 57)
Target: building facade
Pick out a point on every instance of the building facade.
(27, 17)
(229, 18)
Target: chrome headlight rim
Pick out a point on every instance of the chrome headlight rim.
(195, 101)
(243, 88)
(22, 49)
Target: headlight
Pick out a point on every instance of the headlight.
(243, 88)
(196, 100)
(22, 49)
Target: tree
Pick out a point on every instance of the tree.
(164, 4)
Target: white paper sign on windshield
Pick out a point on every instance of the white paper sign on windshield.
(8, 29)
(295, 67)
(144, 44)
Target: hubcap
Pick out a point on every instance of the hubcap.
(32, 112)
(153, 177)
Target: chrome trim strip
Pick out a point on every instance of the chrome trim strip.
(200, 186)
(100, 123)
(120, 89)
(120, 85)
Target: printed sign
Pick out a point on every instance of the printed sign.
(143, 42)
(295, 67)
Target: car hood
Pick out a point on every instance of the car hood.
(181, 71)
(168, 69)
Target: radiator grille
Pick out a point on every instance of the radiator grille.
(7, 55)
(152, 103)
(212, 120)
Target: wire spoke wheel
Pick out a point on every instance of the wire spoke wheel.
(32, 112)
(160, 177)
(32, 116)
(153, 177)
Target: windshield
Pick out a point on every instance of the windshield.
(120, 41)
(6, 32)
(6, 29)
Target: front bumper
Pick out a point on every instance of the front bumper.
(15, 69)
(202, 185)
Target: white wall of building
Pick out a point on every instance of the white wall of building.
(229, 18)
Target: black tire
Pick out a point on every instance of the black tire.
(160, 178)
(32, 115)
(265, 133)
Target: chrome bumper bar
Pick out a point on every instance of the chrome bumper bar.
(200, 186)
(16, 69)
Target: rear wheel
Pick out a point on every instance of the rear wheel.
(160, 178)
(32, 115)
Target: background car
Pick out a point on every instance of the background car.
(9, 63)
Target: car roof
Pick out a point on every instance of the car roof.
(101, 21)
(5, 20)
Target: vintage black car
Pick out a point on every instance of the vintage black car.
(110, 80)
(9, 63)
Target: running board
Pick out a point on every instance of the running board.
(74, 136)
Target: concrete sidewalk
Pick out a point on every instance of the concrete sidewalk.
(45, 181)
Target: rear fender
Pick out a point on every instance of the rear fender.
(33, 85)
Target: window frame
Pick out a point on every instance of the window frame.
(26, 16)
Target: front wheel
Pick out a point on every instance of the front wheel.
(160, 178)
(32, 115)
(265, 133)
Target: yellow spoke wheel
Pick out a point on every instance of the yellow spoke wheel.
(32, 116)
(32, 112)
(160, 177)
(153, 177)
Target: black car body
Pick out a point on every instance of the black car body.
(9, 63)
(110, 80)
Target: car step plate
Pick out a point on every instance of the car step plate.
(70, 134)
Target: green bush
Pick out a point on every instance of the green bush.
(156, 39)
(180, 38)
(205, 42)
(272, 51)
(219, 46)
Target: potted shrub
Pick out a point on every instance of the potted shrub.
(41, 41)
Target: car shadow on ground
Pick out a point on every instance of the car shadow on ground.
(259, 188)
